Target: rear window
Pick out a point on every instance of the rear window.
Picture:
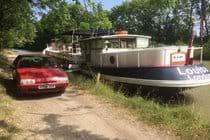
(36, 62)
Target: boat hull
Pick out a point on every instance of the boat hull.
(179, 76)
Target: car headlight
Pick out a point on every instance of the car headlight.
(61, 79)
(27, 81)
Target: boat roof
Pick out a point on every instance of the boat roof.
(117, 36)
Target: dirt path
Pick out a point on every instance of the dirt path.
(77, 116)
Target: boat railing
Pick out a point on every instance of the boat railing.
(139, 52)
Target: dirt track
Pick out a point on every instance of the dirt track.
(77, 116)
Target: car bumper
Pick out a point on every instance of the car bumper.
(34, 89)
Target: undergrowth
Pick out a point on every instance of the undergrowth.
(7, 128)
(179, 119)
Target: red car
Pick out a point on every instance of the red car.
(38, 74)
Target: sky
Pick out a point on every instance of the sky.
(108, 4)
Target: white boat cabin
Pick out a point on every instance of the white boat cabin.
(126, 50)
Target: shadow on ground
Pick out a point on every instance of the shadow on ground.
(56, 130)
(7, 130)
(169, 96)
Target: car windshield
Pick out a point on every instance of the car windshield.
(37, 62)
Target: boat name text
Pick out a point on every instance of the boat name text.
(192, 71)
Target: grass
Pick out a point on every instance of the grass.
(179, 119)
(206, 52)
(7, 128)
(207, 64)
(201, 98)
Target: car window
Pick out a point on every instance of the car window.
(37, 62)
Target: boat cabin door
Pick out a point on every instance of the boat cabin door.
(86, 52)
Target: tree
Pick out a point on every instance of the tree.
(98, 17)
(167, 21)
(16, 23)
(65, 15)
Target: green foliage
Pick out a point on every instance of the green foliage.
(70, 15)
(7, 127)
(206, 51)
(64, 16)
(99, 17)
(16, 23)
(178, 119)
(167, 21)
(56, 20)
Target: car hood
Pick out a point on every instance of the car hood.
(33, 73)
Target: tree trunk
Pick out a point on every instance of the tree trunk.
(191, 16)
(206, 27)
(191, 19)
(202, 17)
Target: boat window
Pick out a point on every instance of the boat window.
(142, 42)
(99, 44)
(76, 48)
(128, 43)
(112, 43)
(121, 43)
(82, 44)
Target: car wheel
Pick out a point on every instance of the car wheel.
(61, 92)
(17, 92)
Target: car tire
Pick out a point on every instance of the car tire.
(17, 92)
(61, 92)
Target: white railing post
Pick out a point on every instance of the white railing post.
(165, 56)
(101, 59)
(138, 59)
(201, 59)
(117, 60)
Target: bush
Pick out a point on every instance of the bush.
(206, 52)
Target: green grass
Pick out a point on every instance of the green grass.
(207, 64)
(7, 127)
(179, 119)
(201, 98)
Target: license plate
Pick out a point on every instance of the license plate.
(46, 86)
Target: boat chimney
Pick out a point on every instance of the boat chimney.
(189, 60)
(121, 32)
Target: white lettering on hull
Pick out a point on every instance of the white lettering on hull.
(195, 73)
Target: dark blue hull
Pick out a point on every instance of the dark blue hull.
(180, 76)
